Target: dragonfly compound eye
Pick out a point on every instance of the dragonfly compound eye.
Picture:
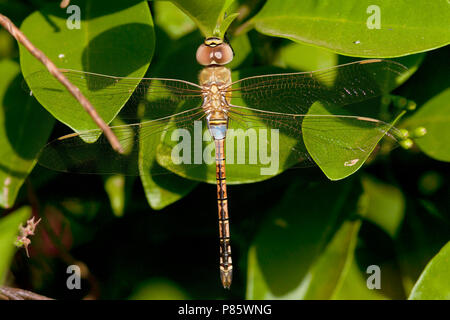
(223, 54)
(210, 55)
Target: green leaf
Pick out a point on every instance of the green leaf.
(9, 229)
(354, 286)
(306, 58)
(330, 269)
(172, 20)
(373, 249)
(429, 80)
(422, 235)
(343, 27)
(302, 249)
(115, 38)
(434, 116)
(164, 189)
(302, 57)
(160, 190)
(354, 143)
(434, 282)
(115, 188)
(159, 289)
(412, 62)
(242, 48)
(7, 44)
(385, 205)
(24, 129)
(223, 27)
(206, 14)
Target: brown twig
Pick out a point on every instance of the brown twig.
(64, 3)
(8, 293)
(20, 37)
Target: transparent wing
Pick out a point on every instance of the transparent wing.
(153, 145)
(157, 96)
(155, 107)
(279, 102)
(71, 153)
(294, 93)
(286, 140)
(282, 103)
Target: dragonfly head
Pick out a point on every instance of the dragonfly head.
(214, 51)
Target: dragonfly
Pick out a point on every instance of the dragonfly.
(158, 107)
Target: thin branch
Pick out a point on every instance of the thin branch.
(64, 3)
(8, 293)
(20, 37)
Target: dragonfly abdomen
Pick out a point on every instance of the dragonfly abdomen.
(226, 265)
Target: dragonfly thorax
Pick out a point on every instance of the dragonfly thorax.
(215, 82)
